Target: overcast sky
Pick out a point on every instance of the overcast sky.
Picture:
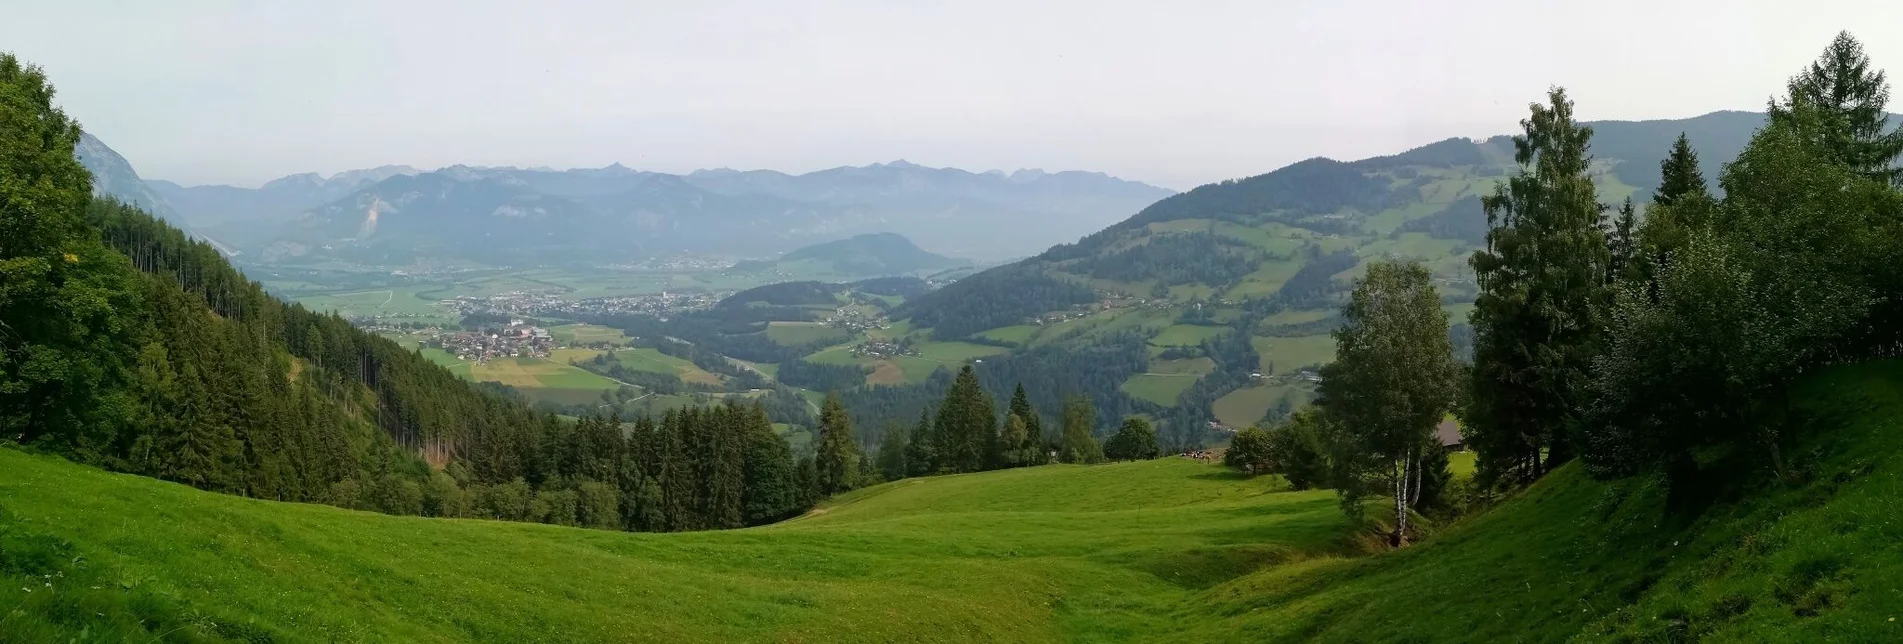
(1173, 93)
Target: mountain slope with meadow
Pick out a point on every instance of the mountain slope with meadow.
(1265, 260)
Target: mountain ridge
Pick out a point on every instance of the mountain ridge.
(781, 211)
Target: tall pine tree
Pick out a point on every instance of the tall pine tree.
(1032, 447)
(1852, 97)
(921, 450)
(892, 450)
(967, 426)
(1542, 281)
(1679, 176)
(836, 458)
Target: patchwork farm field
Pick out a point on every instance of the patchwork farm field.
(540, 378)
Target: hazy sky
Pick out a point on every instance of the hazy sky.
(1174, 93)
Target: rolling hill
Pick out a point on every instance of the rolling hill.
(1157, 551)
(868, 255)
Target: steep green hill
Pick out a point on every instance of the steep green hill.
(1166, 550)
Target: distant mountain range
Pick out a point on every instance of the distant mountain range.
(399, 214)
(868, 255)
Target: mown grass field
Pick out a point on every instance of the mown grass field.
(1158, 551)
(1159, 388)
(794, 334)
(1244, 406)
(1045, 554)
(957, 352)
(539, 378)
(1185, 335)
(652, 360)
(1286, 355)
(401, 303)
(587, 334)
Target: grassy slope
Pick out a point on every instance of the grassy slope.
(1047, 554)
(1572, 557)
(1167, 550)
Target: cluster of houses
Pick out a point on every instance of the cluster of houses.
(854, 318)
(515, 340)
(883, 349)
(660, 305)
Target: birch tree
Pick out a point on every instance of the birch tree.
(1392, 380)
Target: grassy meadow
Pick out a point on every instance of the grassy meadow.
(1046, 554)
(1157, 551)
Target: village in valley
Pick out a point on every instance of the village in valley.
(518, 339)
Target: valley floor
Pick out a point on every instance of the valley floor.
(1168, 550)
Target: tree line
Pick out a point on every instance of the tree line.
(1664, 344)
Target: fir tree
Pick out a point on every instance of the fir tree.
(772, 493)
(1679, 176)
(836, 458)
(1622, 242)
(967, 425)
(1542, 283)
(1852, 98)
(921, 454)
(892, 449)
(1033, 444)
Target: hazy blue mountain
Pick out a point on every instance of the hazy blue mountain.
(538, 215)
(276, 200)
(868, 255)
(514, 216)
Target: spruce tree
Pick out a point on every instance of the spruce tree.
(1542, 280)
(836, 458)
(1853, 98)
(675, 474)
(967, 425)
(892, 449)
(1679, 176)
(921, 453)
(771, 493)
(1622, 242)
(1033, 445)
